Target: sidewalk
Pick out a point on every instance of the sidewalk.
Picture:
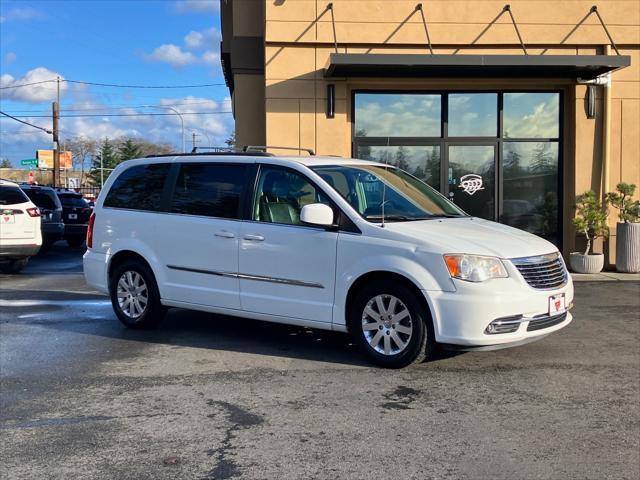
(605, 277)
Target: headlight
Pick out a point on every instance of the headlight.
(474, 268)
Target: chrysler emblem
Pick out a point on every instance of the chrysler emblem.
(471, 183)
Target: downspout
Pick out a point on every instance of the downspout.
(606, 130)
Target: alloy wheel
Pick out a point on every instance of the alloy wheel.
(133, 294)
(386, 324)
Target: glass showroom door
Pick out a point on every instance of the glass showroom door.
(472, 178)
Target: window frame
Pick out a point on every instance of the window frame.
(172, 178)
(444, 140)
(162, 193)
(342, 221)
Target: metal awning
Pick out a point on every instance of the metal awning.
(472, 66)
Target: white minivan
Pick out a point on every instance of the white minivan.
(324, 242)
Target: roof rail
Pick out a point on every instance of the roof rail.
(234, 153)
(263, 148)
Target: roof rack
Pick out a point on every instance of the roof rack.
(263, 148)
(234, 153)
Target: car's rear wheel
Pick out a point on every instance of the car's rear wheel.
(14, 266)
(391, 325)
(134, 295)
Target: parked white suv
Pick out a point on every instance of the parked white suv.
(20, 235)
(336, 244)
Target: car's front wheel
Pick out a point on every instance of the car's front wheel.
(391, 325)
(134, 295)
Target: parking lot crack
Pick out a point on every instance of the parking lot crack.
(238, 419)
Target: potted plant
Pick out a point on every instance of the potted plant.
(627, 229)
(591, 222)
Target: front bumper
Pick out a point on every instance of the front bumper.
(462, 317)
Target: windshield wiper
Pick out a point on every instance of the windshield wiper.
(393, 218)
(445, 215)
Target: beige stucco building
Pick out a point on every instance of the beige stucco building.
(455, 91)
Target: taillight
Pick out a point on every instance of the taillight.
(33, 212)
(92, 220)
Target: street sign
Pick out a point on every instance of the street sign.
(29, 162)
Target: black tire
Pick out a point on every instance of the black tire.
(75, 242)
(13, 266)
(419, 345)
(153, 312)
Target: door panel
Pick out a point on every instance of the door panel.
(287, 270)
(199, 241)
(472, 179)
(285, 267)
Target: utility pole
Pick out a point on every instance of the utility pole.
(56, 137)
(193, 141)
(56, 140)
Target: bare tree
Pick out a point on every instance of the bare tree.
(82, 150)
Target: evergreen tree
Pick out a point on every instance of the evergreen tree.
(542, 159)
(231, 141)
(107, 158)
(6, 163)
(128, 150)
(432, 173)
(401, 159)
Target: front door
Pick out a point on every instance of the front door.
(472, 178)
(286, 268)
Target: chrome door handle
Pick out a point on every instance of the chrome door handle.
(254, 238)
(225, 234)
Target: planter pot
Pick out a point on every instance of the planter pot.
(628, 247)
(581, 263)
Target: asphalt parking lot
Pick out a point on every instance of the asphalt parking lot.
(206, 396)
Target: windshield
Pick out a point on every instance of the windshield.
(374, 190)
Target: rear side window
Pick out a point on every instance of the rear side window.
(209, 189)
(11, 195)
(139, 187)
(42, 198)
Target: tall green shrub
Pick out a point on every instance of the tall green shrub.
(591, 218)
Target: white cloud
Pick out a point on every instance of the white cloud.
(211, 58)
(202, 39)
(173, 55)
(197, 6)
(10, 57)
(20, 13)
(193, 39)
(32, 93)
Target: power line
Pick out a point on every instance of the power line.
(124, 114)
(26, 123)
(123, 107)
(115, 85)
(27, 84)
(144, 86)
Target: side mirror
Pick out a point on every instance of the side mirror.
(317, 214)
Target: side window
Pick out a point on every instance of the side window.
(209, 189)
(281, 194)
(139, 187)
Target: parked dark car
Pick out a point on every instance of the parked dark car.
(47, 201)
(75, 213)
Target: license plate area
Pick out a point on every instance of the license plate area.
(7, 217)
(73, 216)
(557, 304)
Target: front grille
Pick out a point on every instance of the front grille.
(543, 271)
(545, 322)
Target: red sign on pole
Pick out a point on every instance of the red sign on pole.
(30, 180)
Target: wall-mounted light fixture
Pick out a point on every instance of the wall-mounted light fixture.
(591, 101)
(331, 100)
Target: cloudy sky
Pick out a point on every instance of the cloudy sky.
(124, 42)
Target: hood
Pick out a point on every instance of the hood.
(474, 236)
